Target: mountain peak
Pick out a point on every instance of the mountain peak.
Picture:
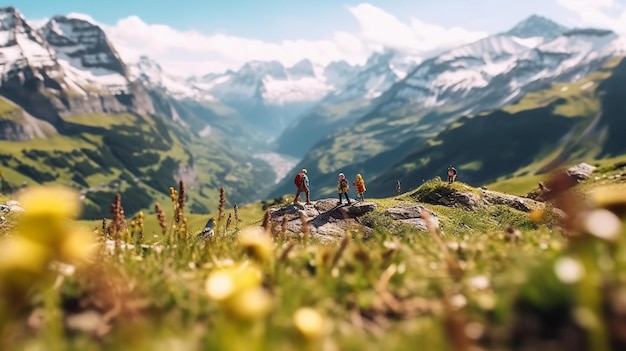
(303, 68)
(537, 26)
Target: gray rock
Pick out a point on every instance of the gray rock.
(418, 223)
(325, 218)
(358, 209)
(581, 171)
(516, 202)
(11, 206)
(405, 212)
(413, 215)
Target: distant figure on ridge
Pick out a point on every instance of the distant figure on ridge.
(302, 184)
(451, 174)
(398, 188)
(343, 187)
(359, 186)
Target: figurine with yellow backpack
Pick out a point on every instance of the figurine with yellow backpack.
(359, 187)
(343, 187)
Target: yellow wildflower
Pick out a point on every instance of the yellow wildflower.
(308, 322)
(225, 282)
(249, 304)
(77, 246)
(23, 255)
(257, 243)
(50, 201)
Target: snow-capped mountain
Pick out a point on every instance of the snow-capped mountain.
(502, 67)
(270, 95)
(537, 27)
(72, 60)
(275, 84)
(83, 50)
(21, 44)
(379, 73)
(150, 73)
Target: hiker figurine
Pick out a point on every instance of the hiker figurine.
(398, 188)
(451, 174)
(359, 186)
(343, 187)
(302, 184)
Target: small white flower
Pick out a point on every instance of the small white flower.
(480, 282)
(568, 270)
(458, 301)
(603, 224)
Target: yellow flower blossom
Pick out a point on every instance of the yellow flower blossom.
(50, 201)
(308, 322)
(249, 304)
(23, 255)
(77, 246)
(257, 243)
(225, 282)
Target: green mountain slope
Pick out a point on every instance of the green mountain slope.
(298, 138)
(573, 122)
(138, 155)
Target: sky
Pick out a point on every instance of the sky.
(194, 37)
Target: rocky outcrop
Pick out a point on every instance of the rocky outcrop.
(562, 181)
(325, 219)
(11, 207)
(414, 216)
(459, 195)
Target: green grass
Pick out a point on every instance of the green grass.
(387, 292)
(517, 185)
(10, 112)
(579, 96)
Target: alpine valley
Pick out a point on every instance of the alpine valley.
(515, 103)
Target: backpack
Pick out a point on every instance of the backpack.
(343, 184)
(452, 171)
(298, 180)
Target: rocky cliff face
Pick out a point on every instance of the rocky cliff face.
(69, 67)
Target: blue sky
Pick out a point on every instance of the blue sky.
(296, 19)
(188, 36)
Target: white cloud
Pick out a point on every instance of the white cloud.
(600, 13)
(190, 52)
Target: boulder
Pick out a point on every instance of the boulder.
(581, 171)
(325, 218)
(472, 199)
(11, 206)
(516, 202)
(413, 216)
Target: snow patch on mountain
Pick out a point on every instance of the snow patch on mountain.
(514, 62)
(21, 45)
(152, 75)
(86, 55)
(280, 92)
(379, 73)
(274, 84)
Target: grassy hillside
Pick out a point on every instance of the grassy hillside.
(395, 129)
(138, 156)
(494, 278)
(519, 143)
(297, 139)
